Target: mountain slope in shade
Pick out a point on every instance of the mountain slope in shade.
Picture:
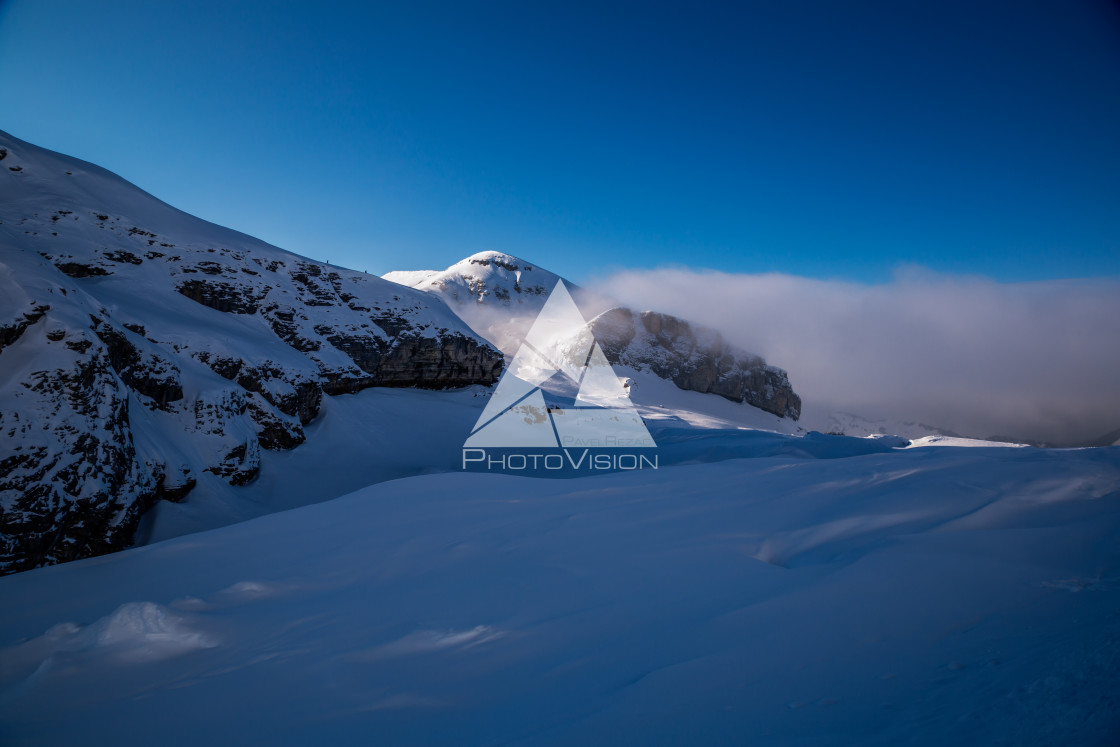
(141, 347)
(500, 295)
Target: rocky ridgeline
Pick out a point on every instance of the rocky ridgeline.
(141, 347)
(694, 358)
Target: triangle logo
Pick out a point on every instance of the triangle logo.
(559, 344)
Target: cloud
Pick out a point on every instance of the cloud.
(1034, 360)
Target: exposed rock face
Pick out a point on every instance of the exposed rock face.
(236, 298)
(148, 374)
(142, 348)
(694, 358)
(11, 331)
(86, 497)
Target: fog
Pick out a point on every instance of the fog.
(1037, 361)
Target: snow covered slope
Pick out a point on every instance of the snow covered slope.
(500, 295)
(411, 278)
(382, 434)
(922, 596)
(141, 347)
(489, 277)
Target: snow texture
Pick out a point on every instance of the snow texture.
(859, 594)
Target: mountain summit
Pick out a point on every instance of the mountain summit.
(489, 277)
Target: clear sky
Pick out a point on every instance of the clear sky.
(827, 139)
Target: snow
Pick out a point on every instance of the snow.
(951, 441)
(914, 595)
(358, 439)
(411, 278)
(383, 434)
(851, 424)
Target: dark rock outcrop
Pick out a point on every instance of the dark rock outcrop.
(150, 375)
(236, 298)
(74, 485)
(11, 331)
(694, 358)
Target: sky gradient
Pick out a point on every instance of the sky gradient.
(819, 139)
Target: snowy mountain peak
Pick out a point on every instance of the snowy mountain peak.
(486, 277)
(496, 259)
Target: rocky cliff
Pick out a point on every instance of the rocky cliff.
(140, 346)
(694, 358)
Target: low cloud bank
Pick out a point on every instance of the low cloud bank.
(1037, 361)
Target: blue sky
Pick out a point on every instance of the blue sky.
(824, 139)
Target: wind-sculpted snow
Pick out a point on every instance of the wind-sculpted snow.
(134, 633)
(862, 594)
(141, 347)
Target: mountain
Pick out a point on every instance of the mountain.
(491, 278)
(497, 294)
(141, 347)
(500, 295)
